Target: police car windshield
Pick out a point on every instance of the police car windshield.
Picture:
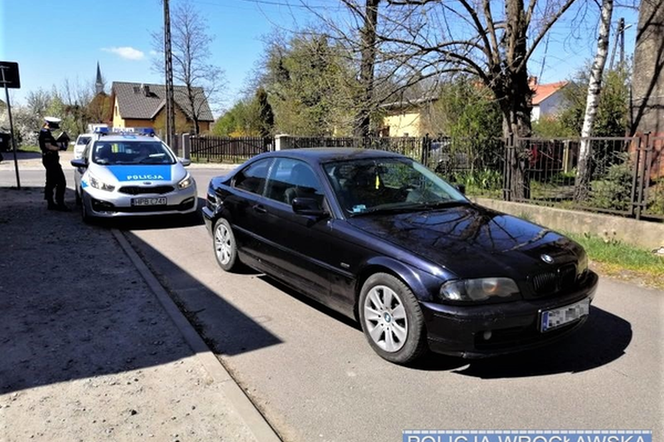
(108, 152)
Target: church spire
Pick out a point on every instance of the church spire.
(99, 83)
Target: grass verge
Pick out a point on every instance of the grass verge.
(622, 261)
(29, 149)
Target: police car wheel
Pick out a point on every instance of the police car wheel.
(225, 247)
(84, 213)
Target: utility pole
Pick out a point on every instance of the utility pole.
(168, 57)
(621, 35)
(620, 41)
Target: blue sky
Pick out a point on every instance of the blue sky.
(54, 41)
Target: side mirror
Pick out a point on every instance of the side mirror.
(79, 162)
(308, 207)
(185, 161)
(461, 188)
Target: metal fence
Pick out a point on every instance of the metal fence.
(227, 149)
(626, 175)
(413, 147)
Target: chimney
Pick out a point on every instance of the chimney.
(145, 89)
(532, 81)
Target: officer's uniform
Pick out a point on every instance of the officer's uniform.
(55, 177)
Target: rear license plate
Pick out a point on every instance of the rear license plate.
(161, 201)
(557, 317)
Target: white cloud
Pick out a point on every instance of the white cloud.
(126, 52)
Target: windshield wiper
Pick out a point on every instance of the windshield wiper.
(443, 204)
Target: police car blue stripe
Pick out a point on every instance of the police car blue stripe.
(141, 173)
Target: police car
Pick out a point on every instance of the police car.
(131, 172)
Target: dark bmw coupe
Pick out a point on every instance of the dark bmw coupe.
(382, 239)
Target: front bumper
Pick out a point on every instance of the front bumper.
(460, 330)
(104, 204)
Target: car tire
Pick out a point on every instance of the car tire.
(224, 246)
(85, 215)
(391, 319)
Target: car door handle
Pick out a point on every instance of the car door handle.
(260, 209)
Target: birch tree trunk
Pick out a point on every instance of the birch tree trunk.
(583, 174)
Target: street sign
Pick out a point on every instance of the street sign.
(9, 75)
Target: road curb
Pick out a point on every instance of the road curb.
(254, 420)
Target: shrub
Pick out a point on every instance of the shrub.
(614, 190)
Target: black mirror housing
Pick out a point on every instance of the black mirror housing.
(79, 162)
(308, 207)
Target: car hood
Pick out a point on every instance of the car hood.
(472, 241)
(153, 173)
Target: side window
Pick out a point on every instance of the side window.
(291, 179)
(252, 179)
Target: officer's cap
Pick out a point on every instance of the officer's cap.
(52, 122)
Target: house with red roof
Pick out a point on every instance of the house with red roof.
(548, 99)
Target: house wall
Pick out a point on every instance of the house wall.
(117, 119)
(550, 106)
(401, 125)
(182, 124)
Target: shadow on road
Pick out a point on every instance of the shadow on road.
(72, 306)
(226, 329)
(601, 340)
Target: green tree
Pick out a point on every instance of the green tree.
(310, 84)
(612, 119)
(465, 109)
(265, 113)
(242, 120)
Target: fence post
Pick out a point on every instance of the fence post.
(642, 177)
(426, 147)
(281, 142)
(186, 146)
(507, 167)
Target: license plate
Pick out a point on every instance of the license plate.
(161, 201)
(557, 317)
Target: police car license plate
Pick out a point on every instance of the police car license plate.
(557, 317)
(161, 201)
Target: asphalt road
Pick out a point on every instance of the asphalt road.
(315, 378)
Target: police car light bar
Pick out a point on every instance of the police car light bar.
(147, 131)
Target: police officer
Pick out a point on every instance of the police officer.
(55, 178)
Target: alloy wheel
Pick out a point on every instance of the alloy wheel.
(385, 318)
(223, 244)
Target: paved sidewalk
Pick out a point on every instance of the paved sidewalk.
(88, 350)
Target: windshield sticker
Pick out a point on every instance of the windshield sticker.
(359, 208)
(141, 173)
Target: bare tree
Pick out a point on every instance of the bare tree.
(592, 102)
(191, 51)
(492, 43)
(368, 60)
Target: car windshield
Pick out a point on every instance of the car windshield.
(107, 152)
(389, 185)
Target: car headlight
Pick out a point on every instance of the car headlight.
(478, 289)
(98, 184)
(187, 181)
